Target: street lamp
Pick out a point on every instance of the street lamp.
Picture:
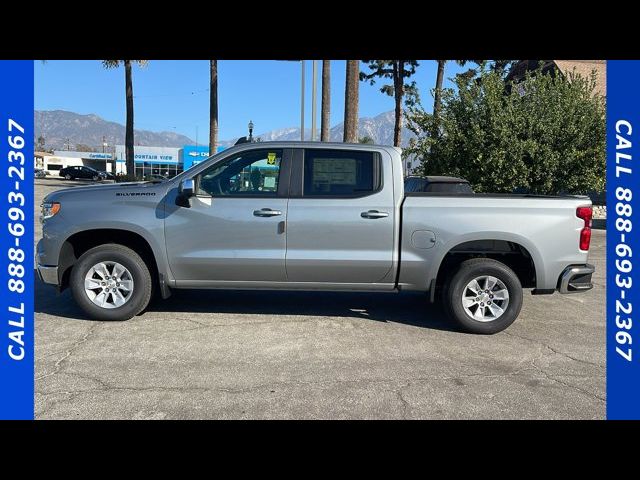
(250, 131)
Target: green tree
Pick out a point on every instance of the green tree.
(81, 147)
(366, 139)
(128, 142)
(500, 67)
(546, 136)
(213, 106)
(40, 144)
(351, 100)
(399, 71)
(496, 65)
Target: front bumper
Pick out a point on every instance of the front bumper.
(576, 278)
(48, 274)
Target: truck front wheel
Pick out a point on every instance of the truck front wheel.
(483, 296)
(111, 282)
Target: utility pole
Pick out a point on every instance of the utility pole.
(302, 104)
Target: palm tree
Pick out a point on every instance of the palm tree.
(351, 93)
(213, 107)
(326, 100)
(437, 95)
(437, 101)
(128, 142)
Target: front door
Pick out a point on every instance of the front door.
(340, 223)
(235, 228)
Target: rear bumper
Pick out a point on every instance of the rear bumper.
(48, 274)
(576, 279)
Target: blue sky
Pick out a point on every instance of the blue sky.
(172, 95)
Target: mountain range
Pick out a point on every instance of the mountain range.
(59, 127)
(379, 128)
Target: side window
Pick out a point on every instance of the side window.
(340, 173)
(254, 172)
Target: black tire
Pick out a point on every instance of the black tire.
(129, 259)
(67, 177)
(95, 178)
(455, 286)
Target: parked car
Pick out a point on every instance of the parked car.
(107, 175)
(82, 172)
(316, 216)
(152, 177)
(40, 173)
(437, 184)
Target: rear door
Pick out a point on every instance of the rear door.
(340, 221)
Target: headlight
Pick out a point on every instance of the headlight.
(49, 209)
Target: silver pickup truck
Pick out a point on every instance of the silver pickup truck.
(311, 216)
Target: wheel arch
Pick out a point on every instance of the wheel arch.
(79, 242)
(514, 251)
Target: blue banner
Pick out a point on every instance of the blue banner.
(16, 240)
(623, 190)
(194, 154)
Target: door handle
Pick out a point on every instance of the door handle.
(374, 214)
(266, 212)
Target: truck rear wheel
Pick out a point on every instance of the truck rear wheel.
(483, 296)
(111, 282)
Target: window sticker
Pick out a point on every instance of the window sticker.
(270, 182)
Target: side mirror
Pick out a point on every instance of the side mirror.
(186, 191)
(188, 187)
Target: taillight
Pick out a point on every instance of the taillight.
(586, 214)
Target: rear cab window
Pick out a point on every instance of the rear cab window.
(340, 173)
(450, 187)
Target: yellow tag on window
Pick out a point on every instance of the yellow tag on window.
(271, 158)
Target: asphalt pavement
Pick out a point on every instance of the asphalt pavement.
(234, 355)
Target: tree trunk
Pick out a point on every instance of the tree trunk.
(128, 141)
(437, 102)
(398, 93)
(213, 107)
(326, 101)
(351, 101)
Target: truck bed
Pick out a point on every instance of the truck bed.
(546, 227)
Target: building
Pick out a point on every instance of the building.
(60, 159)
(194, 154)
(165, 161)
(566, 68)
